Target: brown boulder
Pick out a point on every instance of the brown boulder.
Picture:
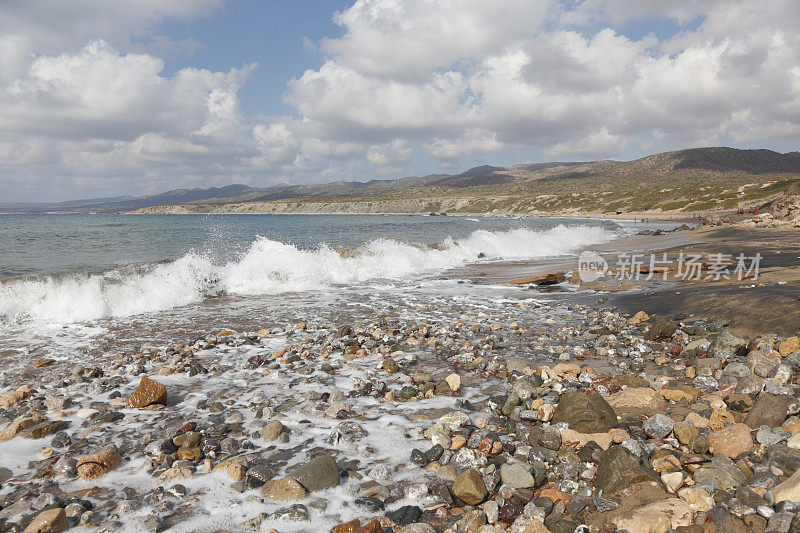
(18, 425)
(469, 487)
(731, 440)
(51, 521)
(7, 399)
(148, 392)
(543, 279)
(98, 464)
(286, 489)
(587, 413)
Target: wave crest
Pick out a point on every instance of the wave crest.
(269, 267)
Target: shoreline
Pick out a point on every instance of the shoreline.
(524, 410)
(625, 217)
(386, 423)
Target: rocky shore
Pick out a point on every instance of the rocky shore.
(515, 417)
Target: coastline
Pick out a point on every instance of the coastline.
(514, 407)
(770, 303)
(513, 414)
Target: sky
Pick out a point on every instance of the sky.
(136, 97)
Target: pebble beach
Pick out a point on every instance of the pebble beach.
(505, 416)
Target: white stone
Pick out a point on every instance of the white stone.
(672, 481)
(454, 380)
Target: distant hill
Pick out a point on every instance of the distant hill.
(683, 181)
(129, 203)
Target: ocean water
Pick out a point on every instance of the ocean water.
(89, 283)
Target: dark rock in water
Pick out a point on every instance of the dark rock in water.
(443, 491)
(785, 458)
(661, 330)
(39, 431)
(434, 453)
(257, 475)
(318, 474)
(559, 525)
(297, 513)
(347, 432)
(618, 468)
(407, 514)
(418, 457)
(374, 505)
(407, 392)
(60, 440)
(587, 413)
(727, 341)
(769, 410)
(107, 417)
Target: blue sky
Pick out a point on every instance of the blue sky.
(271, 33)
(105, 98)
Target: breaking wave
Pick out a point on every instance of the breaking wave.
(269, 267)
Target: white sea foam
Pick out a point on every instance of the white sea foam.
(270, 267)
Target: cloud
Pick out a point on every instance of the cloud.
(394, 152)
(598, 144)
(50, 27)
(407, 40)
(564, 82)
(97, 112)
(85, 100)
(473, 141)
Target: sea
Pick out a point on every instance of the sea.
(83, 284)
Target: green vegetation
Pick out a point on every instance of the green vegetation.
(683, 181)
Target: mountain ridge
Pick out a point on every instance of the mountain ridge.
(688, 180)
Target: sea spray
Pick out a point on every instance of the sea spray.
(270, 267)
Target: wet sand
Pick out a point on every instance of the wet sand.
(770, 303)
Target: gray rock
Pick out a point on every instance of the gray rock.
(722, 472)
(780, 522)
(750, 384)
(18, 512)
(769, 436)
(587, 413)
(727, 341)
(706, 383)
(658, 426)
(736, 370)
(618, 468)
(517, 476)
(319, 473)
(761, 364)
(769, 410)
(785, 458)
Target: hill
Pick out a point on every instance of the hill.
(679, 183)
